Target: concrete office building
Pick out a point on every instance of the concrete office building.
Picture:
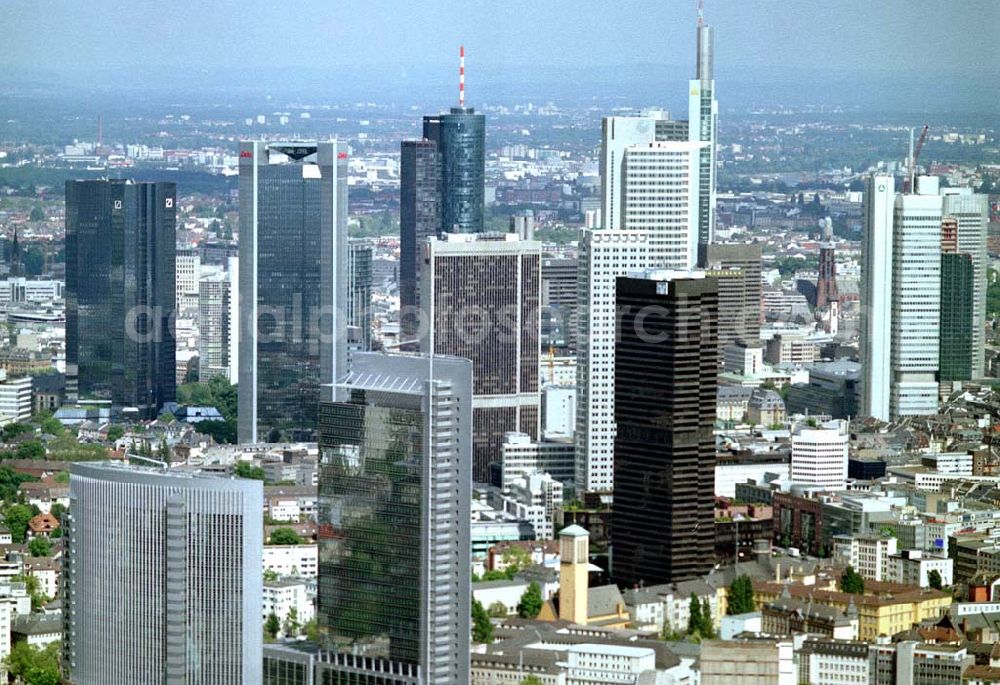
(604, 256)
(293, 284)
(181, 578)
(481, 295)
(187, 279)
(218, 317)
(120, 293)
(737, 268)
(394, 511)
(359, 294)
(901, 292)
(819, 455)
(666, 364)
(15, 398)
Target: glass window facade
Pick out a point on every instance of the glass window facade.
(120, 293)
(461, 141)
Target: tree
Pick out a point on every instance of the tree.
(16, 517)
(12, 430)
(497, 610)
(270, 575)
(531, 601)
(30, 449)
(482, 628)
(531, 680)
(52, 426)
(741, 596)
(33, 665)
(707, 629)
(291, 627)
(271, 626)
(40, 547)
(115, 433)
(934, 579)
(37, 214)
(852, 581)
(245, 469)
(694, 617)
(516, 559)
(311, 630)
(285, 536)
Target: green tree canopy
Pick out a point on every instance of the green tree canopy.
(33, 665)
(16, 517)
(285, 536)
(40, 547)
(12, 430)
(741, 596)
(695, 621)
(531, 601)
(852, 581)
(116, 433)
(482, 628)
(271, 626)
(497, 610)
(30, 449)
(934, 579)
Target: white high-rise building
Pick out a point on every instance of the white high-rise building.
(660, 195)
(187, 277)
(703, 115)
(819, 455)
(901, 299)
(971, 211)
(15, 398)
(218, 316)
(604, 257)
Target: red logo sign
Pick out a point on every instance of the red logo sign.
(246, 153)
(341, 155)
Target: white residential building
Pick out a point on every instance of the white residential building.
(188, 273)
(534, 498)
(604, 257)
(291, 560)
(819, 455)
(913, 566)
(218, 317)
(521, 456)
(870, 554)
(281, 596)
(558, 410)
(15, 398)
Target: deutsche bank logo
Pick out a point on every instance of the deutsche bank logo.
(118, 204)
(169, 203)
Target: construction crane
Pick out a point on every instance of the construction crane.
(914, 154)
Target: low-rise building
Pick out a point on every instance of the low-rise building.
(912, 567)
(825, 661)
(869, 553)
(281, 597)
(747, 662)
(291, 560)
(38, 630)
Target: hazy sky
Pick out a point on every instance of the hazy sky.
(850, 34)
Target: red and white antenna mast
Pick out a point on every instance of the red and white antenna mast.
(461, 76)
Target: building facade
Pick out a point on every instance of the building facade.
(120, 293)
(181, 575)
(664, 459)
(481, 295)
(460, 136)
(819, 455)
(293, 284)
(970, 212)
(218, 317)
(359, 294)
(394, 507)
(419, 219)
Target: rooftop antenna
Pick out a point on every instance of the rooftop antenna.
(701, 12)
(461, 76)
(100, 130)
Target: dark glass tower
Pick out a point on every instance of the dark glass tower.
(957, 285)
(460, 136)
(359, 294)
(419, 219)
(394, 540)
(120, 293)
(293, 284)
(666, 361)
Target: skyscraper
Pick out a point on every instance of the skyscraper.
(419, 219)
(901, 299)
(957, 352)
(481, 295)
(293, 284)
(604, 256)
(120, 293)
(736, 268)
(971, 213)
(460, 137)
(218, 317)
(703, 114)
(359, 294)
(666, 364)
(819, 455)
(394, 507)
(181, 580)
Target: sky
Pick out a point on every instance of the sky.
(386, 43)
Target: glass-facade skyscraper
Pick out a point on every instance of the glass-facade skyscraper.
(460, 136)
(120, 293)
(394, 506)
(293, 284)
(419, 219)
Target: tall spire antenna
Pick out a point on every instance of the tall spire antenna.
(461, 76)
(701, 12)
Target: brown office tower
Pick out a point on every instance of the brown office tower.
(663, 527)
(826, 284)
(737, 269)
(480, 293)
